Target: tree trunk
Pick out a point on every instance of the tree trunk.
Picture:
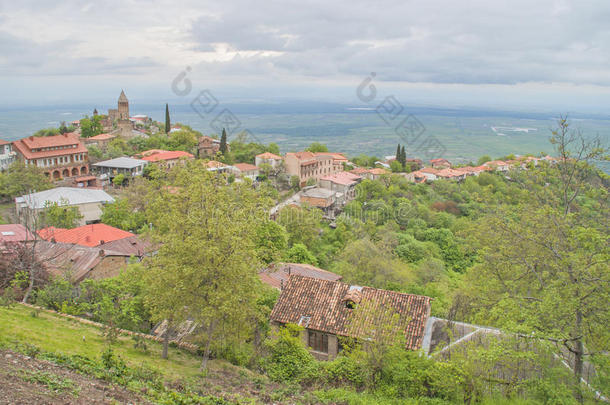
(206, 352)
(165, 342)
(29, 290)
(579, 351)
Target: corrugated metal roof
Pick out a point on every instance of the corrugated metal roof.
(73, 196)
(121, 163)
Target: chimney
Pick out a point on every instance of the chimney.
(31, 138)
(101, 241)
(102, 253)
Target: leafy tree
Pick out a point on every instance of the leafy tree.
(47, 132)
(396, 166)
(271, 241)
(295, 182)
(60, 215)
(223, 142)
(545, 259)
(119, 180)
(299, 253)
(20, 179)
(121, 214)
(484, 159)
(302, 224)
(91, 126)
(167, 121)
(182, 140)
(208, 232)
(317, 147)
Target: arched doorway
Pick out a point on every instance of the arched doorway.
(83, 170)
(75, 171)
(56, 175)
(65, 173)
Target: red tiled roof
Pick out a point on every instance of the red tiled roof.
(359, 170)
(334, 155)
(167, 155)
(14, 233)
(245, 167)
(212, 164)
(3, 142)
(101, 137)
(24, 146)
(378, 171)
(441, 160)
(86, 235)
(320, 305)
(343, 178)
(269, 155)
(277, 275)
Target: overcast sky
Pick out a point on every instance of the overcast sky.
(546, 53)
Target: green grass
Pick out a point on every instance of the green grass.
(52, 333)
(51, 381)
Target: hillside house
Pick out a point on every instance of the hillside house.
(309, 165)
(498, 165)
(440, 163)
(327, 312)
(246, 170)
(129, 167)
(88, 201)
(269, 158)
(320, 198)
(166, 158)
(7, 156)
(208, 147)
(58, 156)
(80, 262)
(343, 184)
(100, 141)
(86, 235)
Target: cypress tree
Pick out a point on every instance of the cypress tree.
(403, 156)
(167, 123)
(223, 142)
(398, 153)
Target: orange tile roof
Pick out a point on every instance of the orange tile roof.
(320, 305)
(343, 178)
(276, 275)
(213, 164)
(101, 137)
(26, 146)
(167, 155)
(269, 155)
(3, 142)
(86, 235)
(378, 171)
(245, 167)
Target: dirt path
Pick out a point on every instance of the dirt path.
(24, 380)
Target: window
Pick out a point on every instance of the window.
(318, 341)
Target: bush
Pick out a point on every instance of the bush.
(58, 295)
(288, 358)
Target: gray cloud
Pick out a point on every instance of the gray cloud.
(438, 41)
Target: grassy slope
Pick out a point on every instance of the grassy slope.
(52, 333)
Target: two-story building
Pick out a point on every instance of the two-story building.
(58, 156)
(7, 156)
(308, 165)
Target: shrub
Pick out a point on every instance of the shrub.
(288, 358)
